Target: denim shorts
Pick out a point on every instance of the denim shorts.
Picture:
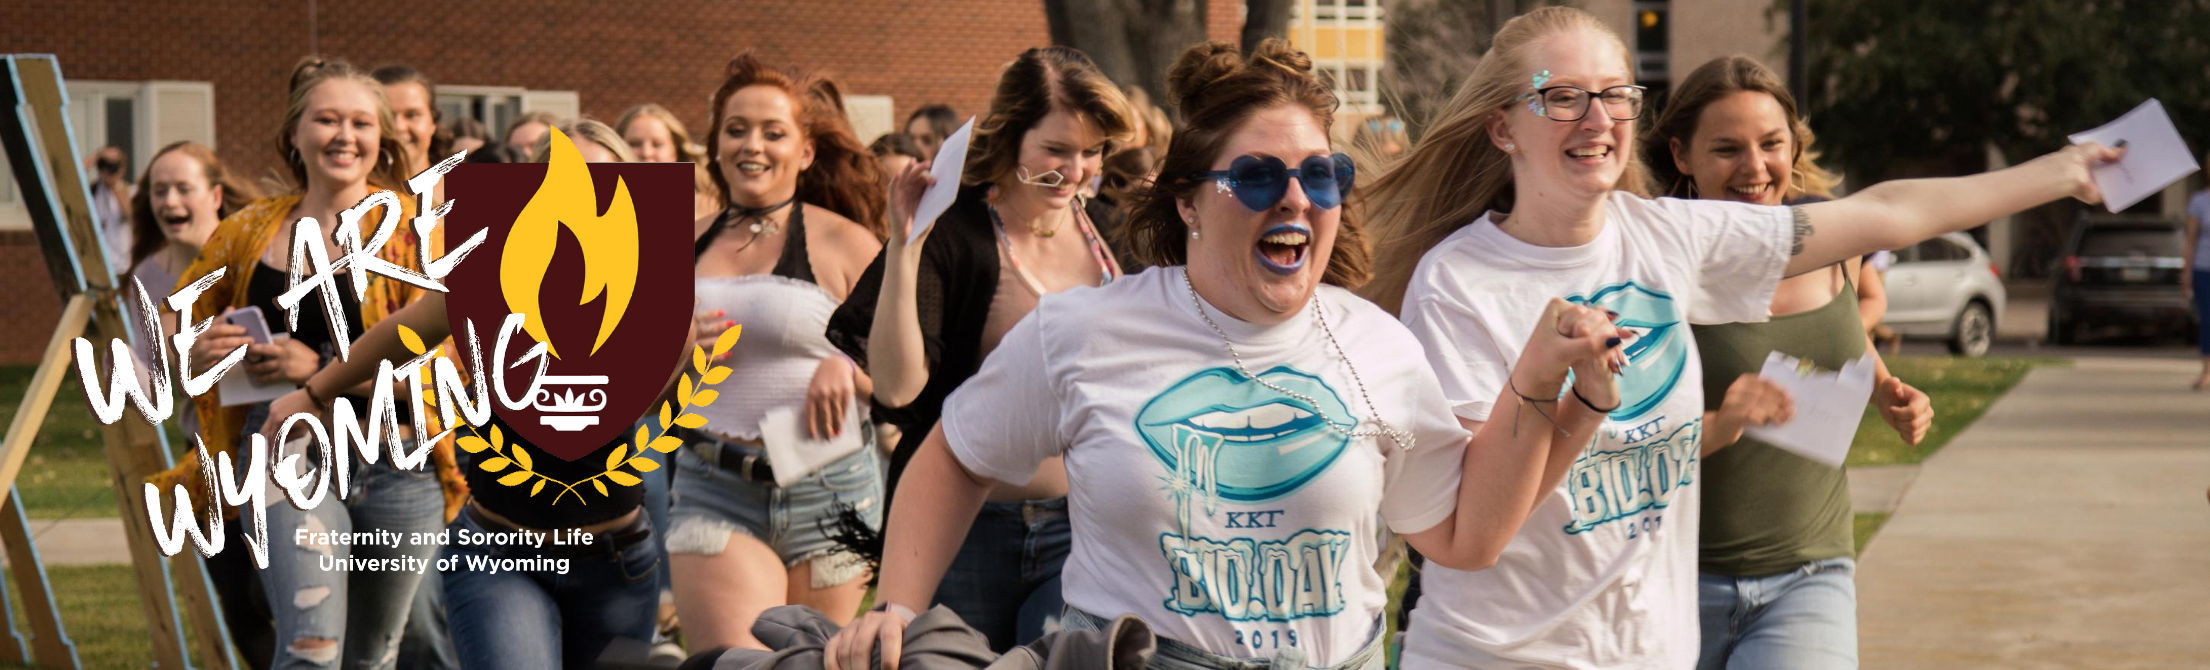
(799, 523)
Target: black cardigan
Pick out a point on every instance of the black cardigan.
(957, 278)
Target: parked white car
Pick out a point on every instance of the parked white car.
(1946, 287)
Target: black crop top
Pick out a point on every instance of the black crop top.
(268, 283)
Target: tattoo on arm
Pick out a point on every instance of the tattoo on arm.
(1803, 229)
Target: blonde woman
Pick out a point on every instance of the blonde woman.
(337, 146)
(656, 136)
(1528, 190)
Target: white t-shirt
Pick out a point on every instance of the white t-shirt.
(1234, 537)
(1603, 574)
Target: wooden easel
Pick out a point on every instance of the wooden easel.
(41, 148)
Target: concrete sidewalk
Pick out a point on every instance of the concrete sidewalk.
(2066, 529)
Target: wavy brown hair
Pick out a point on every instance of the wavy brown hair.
(1218, 88)
(312, 72)
(1039, 81)
(1455, 172)
(844, 177)
(1717, 79)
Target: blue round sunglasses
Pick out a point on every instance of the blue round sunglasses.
(1260, 182)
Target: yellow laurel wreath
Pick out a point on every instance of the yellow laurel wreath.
(689, 395)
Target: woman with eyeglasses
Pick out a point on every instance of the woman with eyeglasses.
(928, 311)
(1527, 190)
(1238, 429)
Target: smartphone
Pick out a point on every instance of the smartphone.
(249, 317)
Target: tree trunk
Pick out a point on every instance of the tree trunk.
(1134, 42)
(1263, 19)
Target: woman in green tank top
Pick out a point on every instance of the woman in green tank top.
(1776, 550)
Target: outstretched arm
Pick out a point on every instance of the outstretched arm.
(1900, 213)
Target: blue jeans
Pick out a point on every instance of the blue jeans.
(1801, 619)
(362, 612)
(425, 645)
(1005, 580)
(553, 607)
(2202, 305)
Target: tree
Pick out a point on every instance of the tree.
(1912, 81)
(1137, 41)
(1132, 41)
(1433, 45)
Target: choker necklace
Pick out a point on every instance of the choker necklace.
(1404, 439)
(761, 225)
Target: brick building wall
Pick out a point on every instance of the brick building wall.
(614, 55)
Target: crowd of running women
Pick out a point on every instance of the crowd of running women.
(1223, 376)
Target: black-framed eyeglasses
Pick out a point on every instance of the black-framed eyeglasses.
(1570, 103)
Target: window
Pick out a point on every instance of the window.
(1361, 80)
(1940, 250)
(498, 106)
(138, 117)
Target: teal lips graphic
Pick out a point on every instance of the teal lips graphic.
(1658, 355)
(1256, 443)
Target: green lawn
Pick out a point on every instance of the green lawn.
(99, 611)
(66, 472)
(1866, 524)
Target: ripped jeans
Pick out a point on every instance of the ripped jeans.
(312, 593)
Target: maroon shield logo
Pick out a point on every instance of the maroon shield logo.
(595, 256)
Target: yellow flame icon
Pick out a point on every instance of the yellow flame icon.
(609, 242)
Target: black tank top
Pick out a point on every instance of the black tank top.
(793, 262)
(268, 283)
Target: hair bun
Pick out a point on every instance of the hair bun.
(1280, 52)
(1199, 68)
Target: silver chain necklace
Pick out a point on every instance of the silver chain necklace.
(1404, 439)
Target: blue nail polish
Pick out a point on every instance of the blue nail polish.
(1612, 343)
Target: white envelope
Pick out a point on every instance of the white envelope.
(2155, 155)
(951, 160)
(793, 454)
(1829, 404)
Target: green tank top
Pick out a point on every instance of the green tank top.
(1767, 511)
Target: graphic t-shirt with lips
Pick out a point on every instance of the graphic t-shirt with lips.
(1603, 574)
(1225, 513)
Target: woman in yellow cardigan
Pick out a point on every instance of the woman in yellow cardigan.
(337, 149)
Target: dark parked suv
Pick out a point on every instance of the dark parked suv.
(2121, 270)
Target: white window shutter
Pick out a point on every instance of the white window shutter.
(178, 111)
(563, 104)
(871, 116)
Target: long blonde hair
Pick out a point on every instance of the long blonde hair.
(314, 71)
(1455, 173)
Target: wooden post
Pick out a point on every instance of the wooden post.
(32, 101)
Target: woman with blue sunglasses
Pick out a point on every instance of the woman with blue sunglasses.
(1239, 431)
(1526, 191)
